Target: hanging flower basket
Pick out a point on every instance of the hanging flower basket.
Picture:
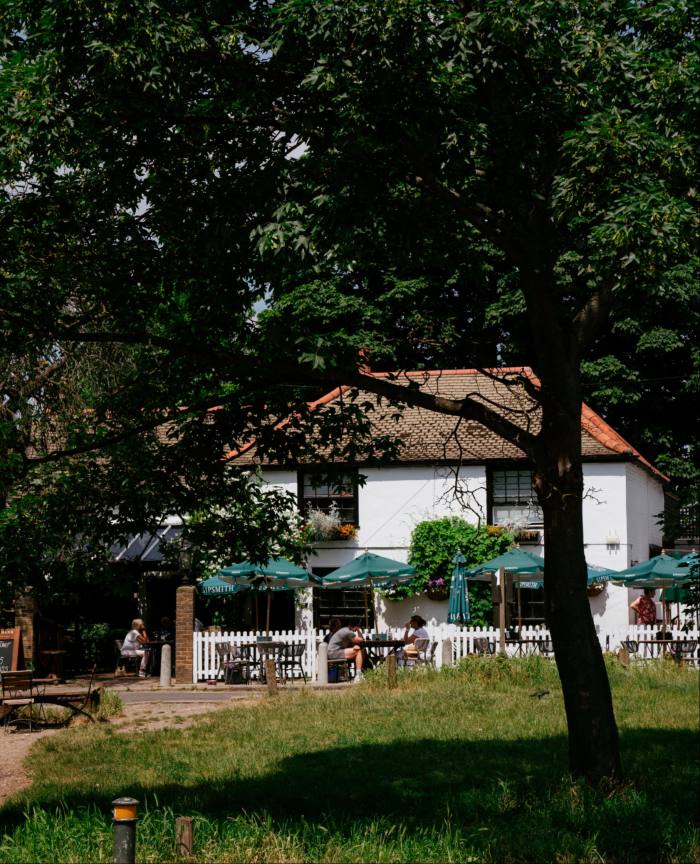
(437, 589)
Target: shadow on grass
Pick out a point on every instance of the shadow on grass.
(416, 782)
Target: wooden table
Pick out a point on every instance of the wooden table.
(377, 650)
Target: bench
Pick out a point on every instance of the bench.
(17, 693)
(74, 700)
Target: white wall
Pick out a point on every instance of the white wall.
(619, 510)
(645, 501)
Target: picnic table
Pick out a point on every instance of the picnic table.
(21, 689)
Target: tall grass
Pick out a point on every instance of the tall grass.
(459, 765)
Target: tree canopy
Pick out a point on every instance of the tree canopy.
(411, 184)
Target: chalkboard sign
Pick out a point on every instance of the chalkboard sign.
(11, 654)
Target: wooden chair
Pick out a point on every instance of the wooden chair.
(17, 693)
(289, 659)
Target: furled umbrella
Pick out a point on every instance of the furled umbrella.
(369, 571)
(458, 606)
(275, 574)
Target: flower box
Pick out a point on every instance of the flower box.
(527, 535)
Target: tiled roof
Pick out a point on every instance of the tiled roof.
(429, 436)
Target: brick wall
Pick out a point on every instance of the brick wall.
(184, 626)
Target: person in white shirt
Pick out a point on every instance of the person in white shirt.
(132, 646)
(413, 631)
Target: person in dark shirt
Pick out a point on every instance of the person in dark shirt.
(346, 644)
(334, 626)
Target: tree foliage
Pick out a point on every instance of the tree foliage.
(434, 544)
(435, 183)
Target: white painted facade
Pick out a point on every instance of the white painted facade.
(620, 513)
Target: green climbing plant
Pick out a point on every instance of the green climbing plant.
(433, 546)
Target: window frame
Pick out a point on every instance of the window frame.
(531, 503)
(350, 472)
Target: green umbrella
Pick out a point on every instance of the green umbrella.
(370, 571)
(522, 563)
(661, 571)
(458, 607)
(217, 586)
(677, 594)
(275, 574)
(596, 574)
(514, 561)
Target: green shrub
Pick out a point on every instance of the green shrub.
(434, 544)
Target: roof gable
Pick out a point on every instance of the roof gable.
(430, 436)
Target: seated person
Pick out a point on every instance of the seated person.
(166, 633)
(132, 646)
(417, 627)
(334, 626)
(346, 644)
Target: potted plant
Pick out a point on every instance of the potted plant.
(322, 526)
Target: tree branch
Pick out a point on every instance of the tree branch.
(467, 408)
(591, 317)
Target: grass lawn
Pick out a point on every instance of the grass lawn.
(459, 765)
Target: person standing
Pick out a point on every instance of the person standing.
(644, 607)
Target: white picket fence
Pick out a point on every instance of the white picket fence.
(206, 662)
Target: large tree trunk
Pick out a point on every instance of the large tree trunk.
(593, 740)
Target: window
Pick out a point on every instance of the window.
(513, 500)
(349, 605)
(326, 490)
